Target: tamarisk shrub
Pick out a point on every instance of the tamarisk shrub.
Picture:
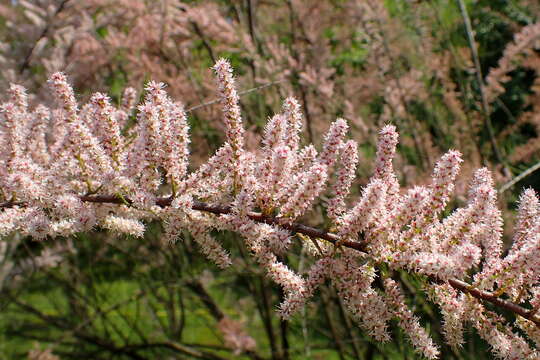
(73, 168)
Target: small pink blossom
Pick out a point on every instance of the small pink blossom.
(292, 112)
(345, 176)
(333, 141)
(124, 225)
(310, 186)
(410, 324)
(231, 106)
(366, 212)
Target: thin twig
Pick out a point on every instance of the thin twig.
(520, 177)
(28, 57)
(480, 80)
(198, 289)
(211, 102)
(336, 336)
(205, 42)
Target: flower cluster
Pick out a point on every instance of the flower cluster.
(73, 168)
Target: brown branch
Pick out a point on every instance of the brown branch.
(179, 348)
(479, 78)
(336, 336)
(316, 233)
(28, 57)
(520, 177)
(205, 42)
(198, 289)
(490, 297)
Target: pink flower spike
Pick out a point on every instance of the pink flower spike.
(333, 141)
(366, 212)
(230, 101)
(486, 212)
(345, 176)
(124, 225)
(386, 150)
(528, 221)
(413, 204)
(110, 135)
(444, 176)
(177, 156)
(453, 310)
(293, 114)
(14, 133)
(276, 169)
(18, 97)
(521, 267)
(311, 185)
(316, 276)
(410, 324)
(274, 132)
(64, 93)
(481, 177)
(220, 161)
(129, 99)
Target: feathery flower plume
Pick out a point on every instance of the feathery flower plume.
(230, 102)
(528, 221)
(444, 267)
(491, 218)
(366, 212)
(199, 227)
(177, 149)
(124, 225)
(151, 117)
(275, 131)
(413, 204)
(410, 324)
(315, 277)
(453, 309)
(345, 176)
(231, 106)
(129, 100)
(18, 97)
(311, 184)
(521, 267)
(291, 111)
(9, 220)
(105, 116)
(523, 43)
(127, 105)
(258, 238)
(278, 167)
(444, 175)
(220, 161)
(386, 150)
(38, 148)
(65, 95)
(332, 142)
(505, 344)
(306, 158)
(82, 143)
(303, 161)
(353, 283)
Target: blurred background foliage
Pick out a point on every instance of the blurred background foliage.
(448, 73)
